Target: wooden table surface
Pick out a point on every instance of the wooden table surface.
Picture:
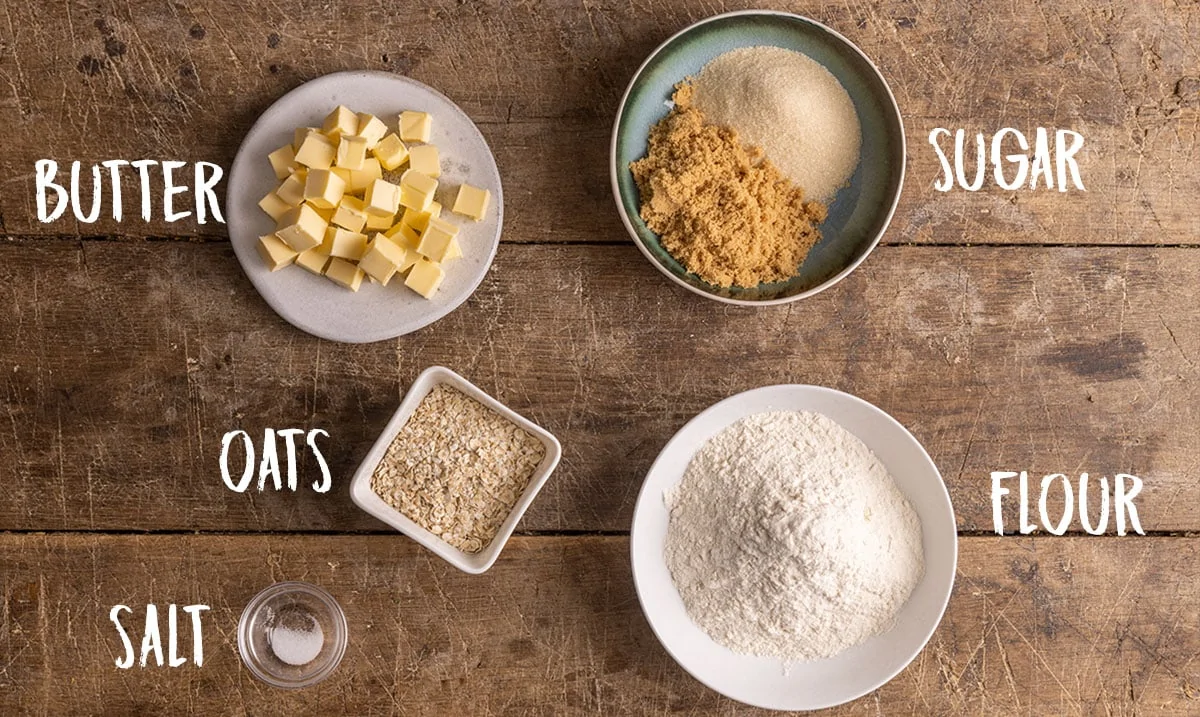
(1023, 330)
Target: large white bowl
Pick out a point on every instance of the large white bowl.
(767, 682)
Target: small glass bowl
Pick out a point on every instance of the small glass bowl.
(291, 605)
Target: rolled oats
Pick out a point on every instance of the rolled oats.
(457, 468)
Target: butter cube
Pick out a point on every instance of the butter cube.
(317, 151)
(404, 235)
(351, 151)
(345, 273)
(425, 278)
(301, 228)
(410, 251)
(391, 152)
(282, 160)
(324, 213)
(274, 252)
(344, 174)
(382, 198)
(454, 251)
(314, 260)
(323, 189)
(350, 214)
(292, 188)
(341, 120)
(415, 126)
(274, 206)
(420, 220)
(471, 202)
(416, 190)
(423, 158)
(435, 241)
(345, 244)
(360, 179)
(382, 259)
(371, 128)
(300, 134)
(411, 257)
(379, 222)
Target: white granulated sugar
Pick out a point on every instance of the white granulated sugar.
(792, 107)
(789, 539)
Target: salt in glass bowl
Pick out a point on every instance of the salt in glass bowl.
(291, 605)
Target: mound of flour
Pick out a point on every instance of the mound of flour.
(789, 539)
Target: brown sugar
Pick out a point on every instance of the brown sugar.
(722, 209)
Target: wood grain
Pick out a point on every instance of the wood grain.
(122, 365)
(167, 81)
(1072, 626)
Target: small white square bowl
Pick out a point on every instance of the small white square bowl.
(366, 498)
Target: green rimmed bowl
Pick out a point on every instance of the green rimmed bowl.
(859, 213)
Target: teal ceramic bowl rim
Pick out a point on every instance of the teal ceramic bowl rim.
(890, 100)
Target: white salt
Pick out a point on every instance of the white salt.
(792, 107)
(296, 639)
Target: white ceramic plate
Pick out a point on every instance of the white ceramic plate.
(764, 682)
(315, 304)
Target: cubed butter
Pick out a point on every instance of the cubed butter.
(382, 259)
(351, 152)
(471, 202)
(345, 244)
(292, 188)
(350, 214)
(341, 120)
(323, 189)
(404, 235)
(424, 159)
(300, 134)
(283, 160)
(416, 190)
(435, 240)
(314, 259)
(324, 213)
(411, 257)
(316, 152)
(420, 220)
(425, 277)
(302, 228)
(415, 126)
(360, 179)
(391, 152)
(454, 251)
(382, 198)
(410, 251)
(371, 128)
(344, 174)
(345, 273)
(274, 252)
(379, 222)
(274, 206)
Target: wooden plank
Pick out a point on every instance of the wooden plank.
(165, 81)
(1073, 626)
(122, 365)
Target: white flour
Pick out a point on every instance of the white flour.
(789, 539)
